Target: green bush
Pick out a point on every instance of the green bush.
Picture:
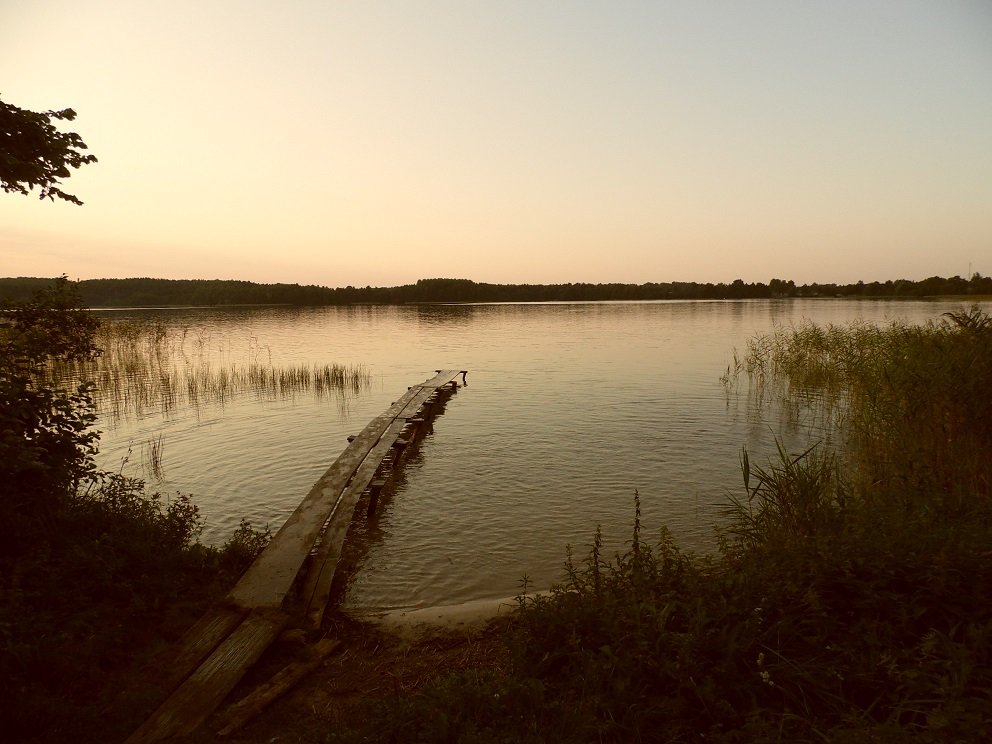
(95, 574)
(46, 443)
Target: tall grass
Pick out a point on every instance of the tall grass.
(148, 367)
(153, 452)
(850, 600)
(912, 400)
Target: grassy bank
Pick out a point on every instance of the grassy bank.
(851, 598)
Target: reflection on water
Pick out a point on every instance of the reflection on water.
(570, 408)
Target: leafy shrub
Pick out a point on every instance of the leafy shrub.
(95, 574)
(244, 545)
(46, 443)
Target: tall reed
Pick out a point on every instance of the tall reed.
(149, 367)
(153, 451)
(913, 401)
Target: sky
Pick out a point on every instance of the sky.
(376, 143)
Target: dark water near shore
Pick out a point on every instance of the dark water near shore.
(569, 408)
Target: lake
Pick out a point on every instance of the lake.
(568, 409)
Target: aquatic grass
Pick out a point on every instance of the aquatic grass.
(794, 496)
(148, 367)
(912, 401)
(153, 450)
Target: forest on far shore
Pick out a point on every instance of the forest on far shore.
(145, 292)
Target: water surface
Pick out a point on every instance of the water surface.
(569, 408)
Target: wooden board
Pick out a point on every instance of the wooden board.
(200, 695)
(317, 587)
(199, 642)
(258, 700)
(270, 577)
(232, 636)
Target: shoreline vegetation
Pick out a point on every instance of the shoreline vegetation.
(850, 598)
(146, 292)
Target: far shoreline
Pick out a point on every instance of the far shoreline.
(873, 298)
(150, 293)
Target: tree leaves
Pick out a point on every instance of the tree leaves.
(33, 152)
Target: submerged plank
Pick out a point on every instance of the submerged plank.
(317, 588)
(270, 577)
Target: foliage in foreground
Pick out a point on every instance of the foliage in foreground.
(851, 599)
(33, 152)
(94, 572)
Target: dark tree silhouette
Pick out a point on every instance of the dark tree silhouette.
(34, 153)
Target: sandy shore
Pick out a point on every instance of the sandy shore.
(466, 617)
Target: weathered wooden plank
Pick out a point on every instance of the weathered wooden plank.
(225, 642)
(270, 577)
(259, 699)
(200, 695)
(317, 588)
(199, 642)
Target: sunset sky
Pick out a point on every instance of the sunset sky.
(377, 143)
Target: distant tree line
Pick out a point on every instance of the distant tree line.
(199, 292)
(174, 292)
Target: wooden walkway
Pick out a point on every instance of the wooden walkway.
(215, 653)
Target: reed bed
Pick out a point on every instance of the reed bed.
(911, 401)
(802, 371)
(152, 367)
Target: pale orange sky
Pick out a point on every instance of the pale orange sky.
(380, 142)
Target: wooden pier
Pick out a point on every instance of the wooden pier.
(215, 653)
